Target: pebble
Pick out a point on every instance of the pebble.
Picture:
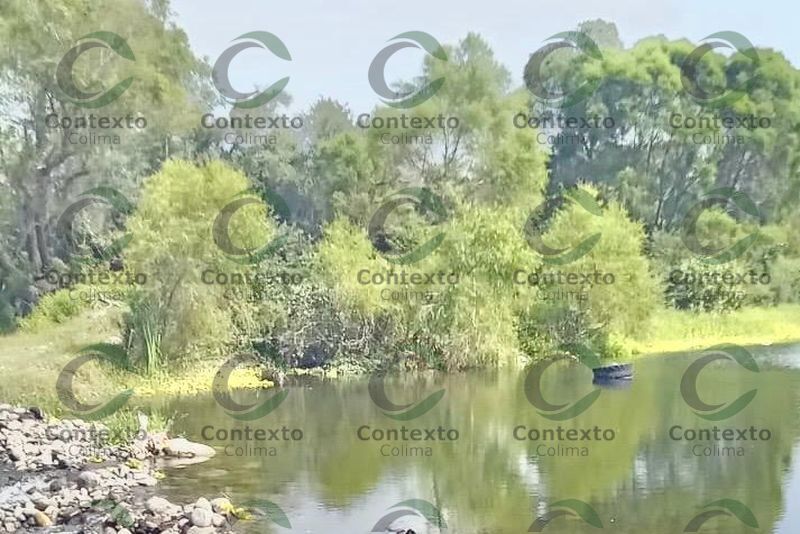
(83, 483)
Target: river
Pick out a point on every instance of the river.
(639, 459)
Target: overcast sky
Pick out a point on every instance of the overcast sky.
(332, 42)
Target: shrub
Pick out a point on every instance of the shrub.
(698, 286)
(53, 308)
(623, 291)
(177, 313)
(468, 320)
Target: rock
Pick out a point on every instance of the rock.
(221, 505)
(52, 511)
(17, 454)
(41, 502)
(146, 481)
(13, 424)
(183, 448)
(36, 413)
(87, 479)
(41, 519)
(66, 489)
(201, 517)
(203, 503)
(159, 506)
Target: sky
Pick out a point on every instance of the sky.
(332, 42)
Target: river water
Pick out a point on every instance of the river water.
(633, 462)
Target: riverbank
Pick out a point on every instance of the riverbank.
(30, 362)
(677, 331)
(67, 473)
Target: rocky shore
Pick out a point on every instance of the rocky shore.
(64, 476)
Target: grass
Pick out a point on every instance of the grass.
(31, 360)
(677, 331)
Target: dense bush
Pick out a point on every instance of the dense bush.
(177, 312)
(766, 273)
(622, 291)
(53, 308)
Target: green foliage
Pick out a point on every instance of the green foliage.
(123, 425)
(623, 291)
(177, 312)
(307, 303)
(53, 308)
(699, 286)
(656, 168)
(767, 273)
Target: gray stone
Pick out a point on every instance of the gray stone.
(203, 503)
(87, 479)
(17, 454)
(183, 448)
(41, 502)
(201, 517)
(13, 425)
(159, 505)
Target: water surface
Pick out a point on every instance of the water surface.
(640, 476)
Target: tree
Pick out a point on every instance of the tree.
(43, 161)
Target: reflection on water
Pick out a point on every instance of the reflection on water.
(639, 456)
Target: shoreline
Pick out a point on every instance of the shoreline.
(651, 350)
(668, 331)
(56, 473)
